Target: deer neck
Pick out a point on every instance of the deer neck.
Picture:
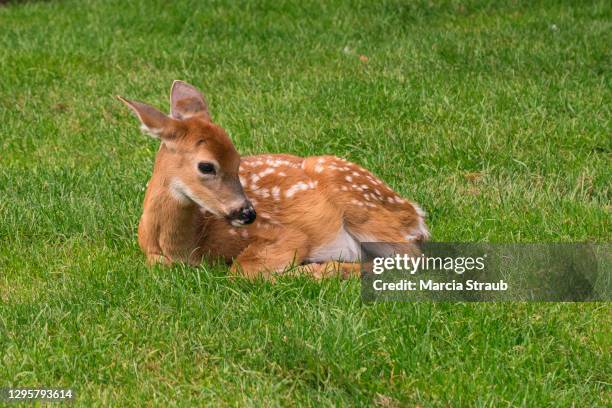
(171, 226)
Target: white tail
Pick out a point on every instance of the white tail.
(312, 212)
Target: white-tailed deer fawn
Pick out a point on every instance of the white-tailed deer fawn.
(265, 212)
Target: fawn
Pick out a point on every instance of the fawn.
(264, 213)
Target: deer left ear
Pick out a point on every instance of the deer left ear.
(152, 121)
(186, 101)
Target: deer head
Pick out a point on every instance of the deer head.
(200, 163)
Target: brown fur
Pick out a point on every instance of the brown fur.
(301, 203)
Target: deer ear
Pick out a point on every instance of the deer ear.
(186, 101)
(152, 121)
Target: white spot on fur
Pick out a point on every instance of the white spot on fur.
(266, 172)
(263, 192)
(358, 203)
(276, 193)
(318, 168)
(348, 178)
(295, 188)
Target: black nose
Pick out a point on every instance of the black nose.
(246, 214)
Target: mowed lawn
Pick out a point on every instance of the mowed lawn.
(494, 117)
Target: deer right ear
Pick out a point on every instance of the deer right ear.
(186, 101)
(153, 122)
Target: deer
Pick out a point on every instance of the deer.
(263, 214)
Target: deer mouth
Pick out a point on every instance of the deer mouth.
(237, 223)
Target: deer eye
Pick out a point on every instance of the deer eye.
(206, 168)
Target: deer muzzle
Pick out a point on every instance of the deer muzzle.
(243, 215)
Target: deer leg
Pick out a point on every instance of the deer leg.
(252, 269)
(264, 258)
(155, 259)
(330, 269)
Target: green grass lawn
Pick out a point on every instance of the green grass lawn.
(496, 118)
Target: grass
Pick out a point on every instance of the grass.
(494, 116)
